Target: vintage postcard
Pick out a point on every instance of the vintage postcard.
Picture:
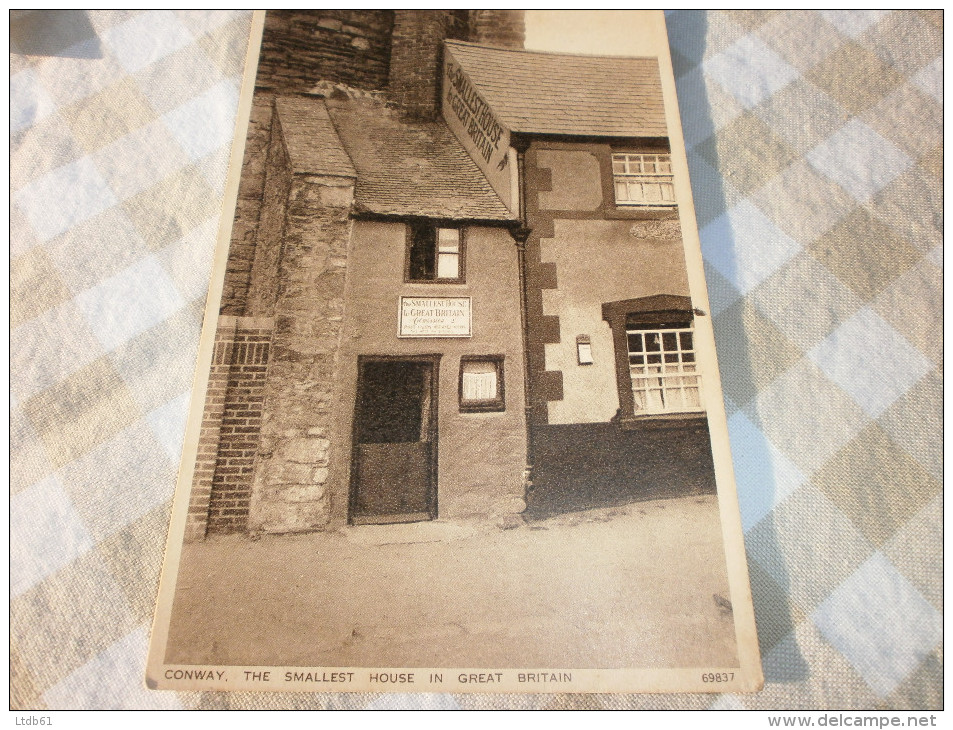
(457, 424)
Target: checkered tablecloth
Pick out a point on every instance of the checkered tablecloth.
(815, 148)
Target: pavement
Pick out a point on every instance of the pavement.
(639, 585)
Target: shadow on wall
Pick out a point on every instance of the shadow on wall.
(64, 33)
(687, 31)
(590, 466)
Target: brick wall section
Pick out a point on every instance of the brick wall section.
(204, 472)
(417, 58)
(241, 423)
(234, 392)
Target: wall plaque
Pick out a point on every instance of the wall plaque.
(434, 317)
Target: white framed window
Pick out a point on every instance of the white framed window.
(643, 179)
(435, 253)
(663, 370)
(448, 253)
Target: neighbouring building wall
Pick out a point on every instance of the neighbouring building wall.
(481, 456)
(626, 265)
(583, 252)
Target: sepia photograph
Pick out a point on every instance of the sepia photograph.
(457, 423)
(383, 359)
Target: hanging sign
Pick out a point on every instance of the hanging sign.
(479, 130)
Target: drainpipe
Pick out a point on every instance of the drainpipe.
(520, 235)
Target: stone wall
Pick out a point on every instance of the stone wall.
(301, 47)
(241, 252)
(288, 492)
(262, 285)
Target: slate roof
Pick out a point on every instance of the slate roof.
(411, 168)
(399, 168)
(557, 93)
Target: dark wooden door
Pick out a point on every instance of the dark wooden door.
(394, 461)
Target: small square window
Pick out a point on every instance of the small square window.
(435, 253)
(481, 383)
(643, 180)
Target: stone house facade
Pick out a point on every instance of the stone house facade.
(456, 286)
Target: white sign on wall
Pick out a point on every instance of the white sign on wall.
(434, 317)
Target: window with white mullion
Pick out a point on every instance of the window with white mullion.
(434, 253)
(643, 179)
(663, 371)
(448, 253)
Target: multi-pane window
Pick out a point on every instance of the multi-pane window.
(643, 179)
(663, 370)
(436, 254)
(481, 383)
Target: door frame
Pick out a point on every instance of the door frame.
(432, 359)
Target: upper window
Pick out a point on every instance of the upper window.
(662, 366)
(435, 253)
(643, 179)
